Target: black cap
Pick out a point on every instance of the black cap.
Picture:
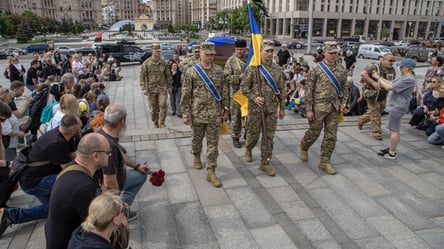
(240, 43)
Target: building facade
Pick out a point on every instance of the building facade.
(169, 12)
(202, 10)
(374, 19)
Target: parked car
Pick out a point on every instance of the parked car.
(12, 50)
(438, 40)
(85, 51)
(37, 47)
(147, 49)
(167, 55)
(406, 43)
(372, 51)
(316, 43)
(3, 54)
(166, 46)
(276, 43)
(296, 44)
(123, 52)
(419, 54)
(65, 50)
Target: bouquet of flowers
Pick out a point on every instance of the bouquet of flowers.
(157, 177)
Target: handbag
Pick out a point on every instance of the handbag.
(20, 162)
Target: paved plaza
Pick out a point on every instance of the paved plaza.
(371, 202)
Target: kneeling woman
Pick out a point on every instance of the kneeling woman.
(106, 214)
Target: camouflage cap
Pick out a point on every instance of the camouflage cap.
(155, 47)
(195, 47)
(331, 47)
(267, 44)
(208, 48)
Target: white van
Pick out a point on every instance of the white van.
(371, 51)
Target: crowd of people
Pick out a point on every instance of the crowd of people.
(53, 64)
(69, 131)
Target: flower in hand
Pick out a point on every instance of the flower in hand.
(157, 177)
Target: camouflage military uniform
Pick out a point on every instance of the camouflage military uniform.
(322, 99)
(233, 68)
(199, 104)
(155, 76)
(249, 88)
(375, 106)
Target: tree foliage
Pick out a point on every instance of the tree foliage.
(25, 26)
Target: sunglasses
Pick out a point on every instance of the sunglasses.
(391, 60)
(106, 151)
(434, 81)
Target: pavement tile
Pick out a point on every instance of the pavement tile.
(407, 241)
(207, 194)
(250, 207)
(313, 229)
(416, 183)
(352, 224)
(434, 236)
(272, 237)
(171, 162)
(410, 217)
(283, 194)
(180, 188)
(327, 244)
(297, 210)
(434, 178)
(193, 227)
(229, 229)
(374, 243)
(365, 183)
(356, 199)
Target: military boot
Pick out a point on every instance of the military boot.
(236, 142)
(156, 125)
(162, 125)
(303, 154)
(248, 157)
(197, 161)
(212, 178)
(326, 166)
(267, 169)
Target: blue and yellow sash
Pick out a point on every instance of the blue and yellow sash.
(207, 81)
(332, 77)
(269, 79)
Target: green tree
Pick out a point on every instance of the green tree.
(24, 33)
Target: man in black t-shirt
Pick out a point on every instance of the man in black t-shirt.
(56, 147)
(116, 176)
(283, 55)
(31, 77)
(74, 190)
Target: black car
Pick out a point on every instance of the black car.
(295, 45)
(123, 52)
(85, 51)
(277, 43)
(3, 54)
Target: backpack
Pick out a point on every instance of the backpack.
(47, 112)
(36, 107)
(9, 177)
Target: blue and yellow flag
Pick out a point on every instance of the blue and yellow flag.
(253, 58)
(254, 54)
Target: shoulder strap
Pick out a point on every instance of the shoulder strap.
(72, 168)
(269, 79)
(207, 81)
(332, 77)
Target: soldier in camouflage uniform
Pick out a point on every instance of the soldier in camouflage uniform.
(191, 60)
(200, 109)
(376, 105)
(265, 100)
(323, 106)
(156, 81)
(234, 69)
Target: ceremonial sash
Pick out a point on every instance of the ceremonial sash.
(332, 77)
(269, 79)
(207, 81)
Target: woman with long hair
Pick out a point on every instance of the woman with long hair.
(68, 105)
(106, 214)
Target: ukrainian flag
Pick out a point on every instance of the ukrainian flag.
(253, 58)
(254, 55)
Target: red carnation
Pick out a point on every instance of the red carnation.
(157, 177)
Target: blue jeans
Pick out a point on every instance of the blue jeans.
(437, 137)
(42, 192)
(134, 181)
